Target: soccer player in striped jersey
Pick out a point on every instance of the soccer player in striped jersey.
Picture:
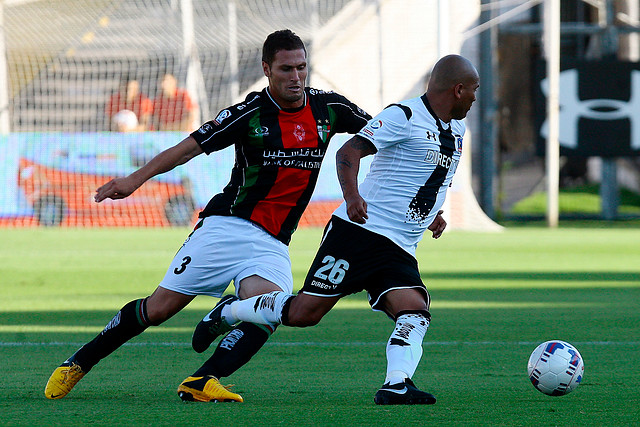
(280, 136)
(370, 242)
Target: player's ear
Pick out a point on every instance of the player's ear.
(457, 90)
(266, 69)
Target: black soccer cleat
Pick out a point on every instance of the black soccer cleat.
(212, 326)
(404, 393)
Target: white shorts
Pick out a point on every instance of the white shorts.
(225, 249)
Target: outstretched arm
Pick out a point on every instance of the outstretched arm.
(119, 188)
(348, 164)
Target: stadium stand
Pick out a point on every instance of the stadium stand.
(66, 58)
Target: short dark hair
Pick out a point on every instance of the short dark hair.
(280, 40)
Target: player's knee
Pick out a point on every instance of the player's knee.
(401, 300)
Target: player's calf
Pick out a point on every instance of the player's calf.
(306, 310)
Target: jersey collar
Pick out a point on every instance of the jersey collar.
(439, 122)
(288, 110)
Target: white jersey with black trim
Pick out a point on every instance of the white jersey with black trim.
(407, 183)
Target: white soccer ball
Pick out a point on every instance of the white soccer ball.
(555, 368)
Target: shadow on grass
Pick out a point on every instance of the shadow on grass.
(458, 313)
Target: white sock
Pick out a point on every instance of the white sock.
(395, 377)
(404, 348)
(265, 309)
(227, 314)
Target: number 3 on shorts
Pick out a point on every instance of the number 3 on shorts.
(185, 261)
(336, 270)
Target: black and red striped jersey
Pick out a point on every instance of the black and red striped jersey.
(278, 154)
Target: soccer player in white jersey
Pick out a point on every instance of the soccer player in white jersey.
(370, 242)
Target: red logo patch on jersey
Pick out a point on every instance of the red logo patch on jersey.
(298, 129)
(298, 132)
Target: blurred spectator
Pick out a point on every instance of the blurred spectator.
(173, 109)
(130, 98)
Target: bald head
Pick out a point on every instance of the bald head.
(451, 70)
(452, 87)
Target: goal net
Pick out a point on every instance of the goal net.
(85, 84)
(69, 68)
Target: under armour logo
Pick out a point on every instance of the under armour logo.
(572, 108)
(431, 136)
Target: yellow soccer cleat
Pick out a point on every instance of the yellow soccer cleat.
(63, 379)
(206, 389)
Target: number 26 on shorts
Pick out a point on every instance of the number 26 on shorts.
(332, 269)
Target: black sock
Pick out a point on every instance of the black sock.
(285, 311)
(235, 350)
(130, 321)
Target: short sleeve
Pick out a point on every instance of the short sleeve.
(349, 117)
(387, 128)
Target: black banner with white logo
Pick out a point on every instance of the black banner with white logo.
(599, 108)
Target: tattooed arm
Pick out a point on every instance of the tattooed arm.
(348, 164)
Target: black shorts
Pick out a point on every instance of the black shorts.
(351, 259)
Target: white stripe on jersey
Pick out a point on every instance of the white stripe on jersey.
(413, 168)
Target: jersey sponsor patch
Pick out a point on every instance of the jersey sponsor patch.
(302, 158)
(323, 286)
(205, 128)
(439, 159)
(319, 91)
(224, 114)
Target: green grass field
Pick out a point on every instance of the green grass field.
(584, 199)
(495, 297)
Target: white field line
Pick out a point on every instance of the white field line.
(331, 343)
